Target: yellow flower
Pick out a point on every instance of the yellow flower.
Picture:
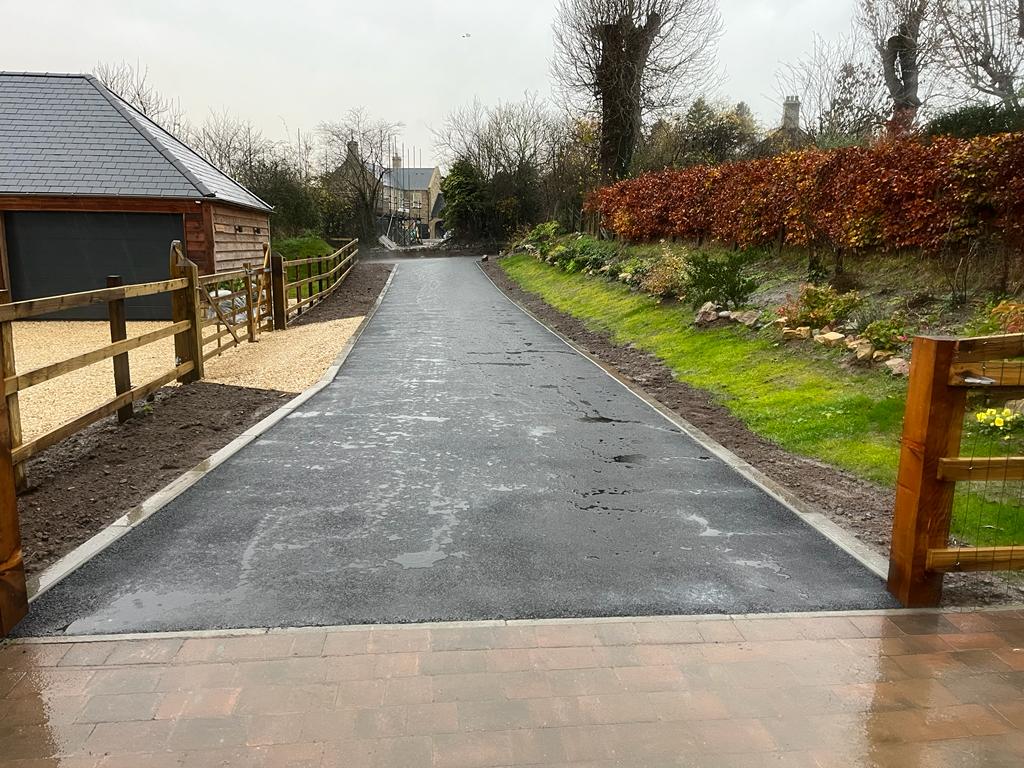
(991, 411)
(980, 416)
(1007, 413)
(999, 421)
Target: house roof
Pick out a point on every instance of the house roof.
(66, 134)
(409, 178)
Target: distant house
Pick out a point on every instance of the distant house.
(90, 187)
(789, 136)
(407, 203)
(415, 195)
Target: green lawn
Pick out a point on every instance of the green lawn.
(804, 402)
(304, 247)
(297, 248)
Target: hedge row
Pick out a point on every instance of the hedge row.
(897, 194)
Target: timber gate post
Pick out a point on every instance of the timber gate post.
(188, 345)
(924, 502)
(13, 592)
(279, 299)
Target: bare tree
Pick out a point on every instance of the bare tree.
(843, 96)
(235, 146)
(628, 57)
(131, 83)
(905, 35)
(500, 139)
(983, 47)
(358, 149)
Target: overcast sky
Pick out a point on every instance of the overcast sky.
(294, 64)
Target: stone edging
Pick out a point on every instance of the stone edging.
(80, 555)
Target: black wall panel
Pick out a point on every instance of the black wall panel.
(65, 252)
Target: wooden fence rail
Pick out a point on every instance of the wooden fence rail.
(210, 314)
(317, 278)
(942, 372)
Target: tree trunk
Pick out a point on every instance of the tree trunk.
(901, 70)
(624, 51)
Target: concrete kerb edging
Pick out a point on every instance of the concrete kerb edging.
(76, 558)
(809, 514)
(497, 623)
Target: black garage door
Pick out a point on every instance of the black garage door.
(56, 252)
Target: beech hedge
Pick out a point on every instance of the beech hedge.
(907, 193)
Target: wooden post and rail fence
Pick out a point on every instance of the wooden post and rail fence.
(210, 314)
(943, 371)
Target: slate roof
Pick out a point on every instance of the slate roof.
(68, 135)
(409, 178)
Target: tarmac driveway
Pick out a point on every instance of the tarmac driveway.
(465, 464)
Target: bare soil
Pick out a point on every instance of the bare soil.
(84, 483)
(859, 506)
(81, 485)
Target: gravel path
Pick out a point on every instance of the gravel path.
(288, 361)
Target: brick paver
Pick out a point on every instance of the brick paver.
(885, 689)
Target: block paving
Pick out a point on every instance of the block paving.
(858, 689)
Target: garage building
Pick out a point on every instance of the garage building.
(90, 187)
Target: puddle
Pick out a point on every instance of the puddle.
(425, 559)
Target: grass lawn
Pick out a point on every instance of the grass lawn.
(304, 247)
(297, 248)
(804, 402)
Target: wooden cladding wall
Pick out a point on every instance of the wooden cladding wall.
(238, 236)
(197, 243)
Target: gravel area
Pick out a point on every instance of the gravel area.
(288, 361)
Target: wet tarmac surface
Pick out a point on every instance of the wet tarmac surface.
(465, 464)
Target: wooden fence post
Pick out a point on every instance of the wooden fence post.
(277, 292)
(12, 413)
(250, 316)
(119, 332)
(13, 592)
(188, 345)
(924, 503)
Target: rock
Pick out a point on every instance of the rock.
(749, 318)
(780, 322)
(707, 314)
(724, 314)
(898, 366)
(852, 342)
(1017, 406)
(796, 333)
(880, 356)
(865, 350)
(484, 257)
(830, 339)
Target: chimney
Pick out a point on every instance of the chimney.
(791, 113)
(396, 161)
(353, 148)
